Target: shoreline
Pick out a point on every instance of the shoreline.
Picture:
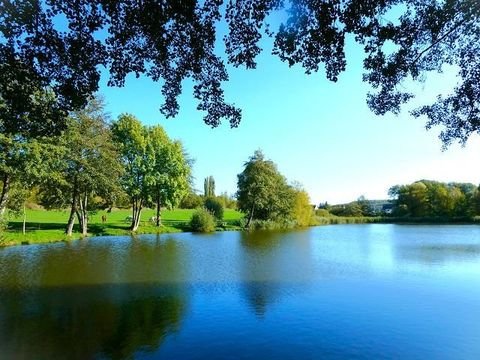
(16, 238)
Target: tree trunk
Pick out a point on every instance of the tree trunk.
(82, 214)
(73, 211)
(158, 219)
(4, 195)
(250, 218)
(24, 218)
(136, 212)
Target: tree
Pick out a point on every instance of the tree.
(365, 206)
(209, 186)
(476, 202)
(171, 171)
(157, 170)
(215, 207)
(26, 163)
(302, 209)
(227, 201)
(191, 201)
(263, 193)
(434, 199)
(138, 160)
(88, 167)
(24, 120)
(173, 41)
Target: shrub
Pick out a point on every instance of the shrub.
(215, 207)
(202, 221)
(322, 213)
(191, 201)
(272, 225)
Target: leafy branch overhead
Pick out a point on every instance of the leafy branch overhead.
(61, 45)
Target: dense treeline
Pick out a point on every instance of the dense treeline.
(423, 199)
(427, 198)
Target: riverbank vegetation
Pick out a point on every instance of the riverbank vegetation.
(423, 201)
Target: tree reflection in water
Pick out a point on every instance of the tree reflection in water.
(88, 322)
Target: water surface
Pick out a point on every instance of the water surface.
(343, 291)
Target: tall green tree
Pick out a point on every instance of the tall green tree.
(138, 160)
(209, 187)
(157, 170)
(36, 158)
(263, 192)
(89, 166)
(171, 171)
(25, 121)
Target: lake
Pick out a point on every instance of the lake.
(333, 292)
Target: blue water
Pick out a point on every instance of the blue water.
(332, 292)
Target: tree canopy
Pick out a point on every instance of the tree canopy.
(263, 192)
(87, 165)
(56, 49)
(426, 198)
(157, 170)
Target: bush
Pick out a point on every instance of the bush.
(191, 201)
(322, 213)
(215, 207)
(202, 221)
(272, 225)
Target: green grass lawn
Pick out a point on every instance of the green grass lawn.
(44, 226)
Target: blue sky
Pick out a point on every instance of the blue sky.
(319, 133)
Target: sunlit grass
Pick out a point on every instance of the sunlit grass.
(44, 226)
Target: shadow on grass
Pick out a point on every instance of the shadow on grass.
(18, 226)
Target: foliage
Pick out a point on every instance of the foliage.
(302, 212)
(202, 221)
(215, 207)
(209, 187)
(138, 160)
(86, 166)
(349, 210)
(227, 201)
(263, 193)
(157, 170)
(173, 41)
(272, 225)
(170, 41)
(24, 163)
(191, 201)
(171, 171)
(322, 213)
(435, 199)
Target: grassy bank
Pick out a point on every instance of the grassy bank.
(48, 226)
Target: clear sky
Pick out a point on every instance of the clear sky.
(319, 133)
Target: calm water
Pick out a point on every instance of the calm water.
(333, 292)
